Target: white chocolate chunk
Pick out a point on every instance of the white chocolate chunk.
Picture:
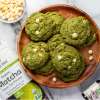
(34, 49)
(37, 20)
(40, 54)
(59, 57)
(91, 58)
(11, 19)
(69, 67)
(37, 32)
(62, 44)
(75, 35)
(19, 14)
(3, 17)
(84, 21)
(74, 60)
(54, 79)
(90, 52)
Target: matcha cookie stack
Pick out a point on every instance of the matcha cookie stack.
(53, 44)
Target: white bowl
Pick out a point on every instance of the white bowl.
(19, 18)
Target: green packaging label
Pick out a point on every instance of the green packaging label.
(12, 75)
(29, 92)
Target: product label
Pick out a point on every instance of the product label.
(93, 92)
(31, 91)
(12, 76)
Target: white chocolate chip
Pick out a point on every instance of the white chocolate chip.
(3, 17)
(69, 67)
(90, 58)
(59, 57)
(20, 9)
(84, 21)
(37, 20)
(74, 60)
(37, 32)
(19, 14)
(90, 52)
(62, 44)
(7, 16)
(40, 54)
(23, 59)
(54, 79)
(10, 19)
(34, 49)
(75, 35)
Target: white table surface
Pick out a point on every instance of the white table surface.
(92, 7)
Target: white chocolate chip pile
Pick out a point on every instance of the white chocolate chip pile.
(11, 9)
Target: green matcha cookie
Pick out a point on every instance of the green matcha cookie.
(35, 55)
(46, 69)
(39, 27)
(68, 62)
(55, 41)
(77, 31)
(57, 20)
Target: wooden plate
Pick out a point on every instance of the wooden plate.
(67, 12)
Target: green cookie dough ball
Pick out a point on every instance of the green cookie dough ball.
(46, 69)
(57, 20)
(55, 41)
(39, 27)
(35, 55)
(77, 31)
(68, 62)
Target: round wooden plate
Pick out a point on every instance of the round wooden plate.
(67, 12)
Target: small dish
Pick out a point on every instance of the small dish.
(19, 18)
(68, 12)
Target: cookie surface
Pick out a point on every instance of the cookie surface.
(35, 55)
(57, 21)
(54, 41)
(68, 62)
(39, 27)
(76, 31)
(46, 69)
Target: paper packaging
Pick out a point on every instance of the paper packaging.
(13, 80)
(92, 92)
